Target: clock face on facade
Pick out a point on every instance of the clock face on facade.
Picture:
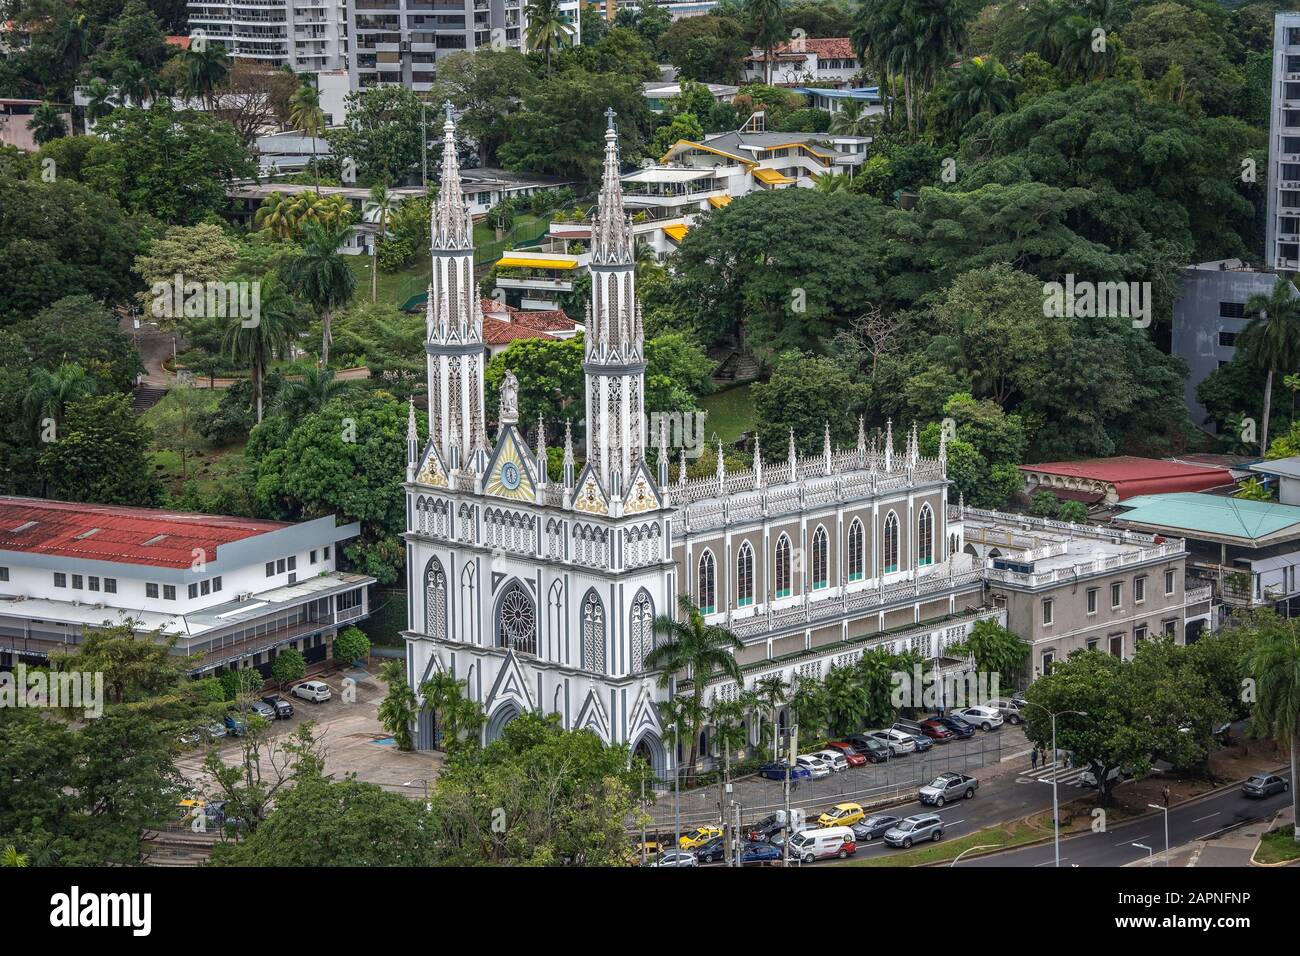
(510, 475)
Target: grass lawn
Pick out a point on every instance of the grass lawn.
(1005, 835)
(394, 287)
(205, 464)
(730, 413)
(1279, 846)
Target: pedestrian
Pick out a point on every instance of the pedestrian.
(1033, 759)
(1164, 795)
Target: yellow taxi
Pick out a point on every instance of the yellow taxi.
(841, 815)
(698, 837)
(189, 808)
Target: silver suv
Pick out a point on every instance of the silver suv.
(914, 829)
(1011, 709)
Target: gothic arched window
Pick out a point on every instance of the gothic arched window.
(467, 604)
(819, 558)
(745, 576)
(435, 600)
(783, 569)
(642, 629)
(593, 632)
(925, 536)
(707, 581)
(891, 543)
(857, 540)
(517, 620)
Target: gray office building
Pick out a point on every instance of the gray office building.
(1282, 242)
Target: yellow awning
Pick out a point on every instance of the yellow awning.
(675, 233)
(717, 202)
(533, 262)
(771, 177)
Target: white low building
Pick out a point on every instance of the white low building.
(804, 60)
(232, 591)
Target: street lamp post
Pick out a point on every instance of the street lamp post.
(1056, 809)
(1150, 852)
(970, 849)
(1156, 806)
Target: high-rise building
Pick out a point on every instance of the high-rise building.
(400, 41)
(1282, 232)
(308, 35)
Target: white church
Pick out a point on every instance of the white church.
(541, 595)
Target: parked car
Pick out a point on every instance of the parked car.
(234, 726)
(985, 718)
(763, 830)
(283, 709)
(958, 725)
(698, 837)
(263, 710)
(810, 845)
(756, 854)
(850, 752)
(675, 858)
(948, 786)
(215, 730)
(914, 829)
(1089, 778)
(1264, 785)
(873, 827)
(871, 748)
(936, 730)
(312, 690)
(1011, 709)
(814, 765)
(834, 759)
(712, 851)
(923, 744)
(778, 839)
(897, 741)
(778, 769)
(841, 815)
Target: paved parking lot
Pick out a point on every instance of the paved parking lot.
(353, 739)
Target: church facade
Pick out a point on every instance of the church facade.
(541, 594)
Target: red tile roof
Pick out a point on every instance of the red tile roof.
(181, 41)
(123, 533)
(830, 47)
(504, 323)
(1132, 476)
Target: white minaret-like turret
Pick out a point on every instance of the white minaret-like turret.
(454, 319)
(615, 357)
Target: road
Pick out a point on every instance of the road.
(1199, 820)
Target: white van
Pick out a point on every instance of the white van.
(312, 690)
(823, 843)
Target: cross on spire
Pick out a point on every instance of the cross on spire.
(609, 117)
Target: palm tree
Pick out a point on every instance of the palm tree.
(379, 209)
(47, 123)
(203, 71)
(702, 650)
(768, 27)
(136, 84)
(830, 182)
(99, 101)
(441, 693)
(10, 857)
(1274, 663)
(305, 114)
(982, 85)
(298, 398)
(808, 702)
(726, 717)
(1272, 339)
(256, 343)
(321, 276)
(275, 216)
(399, 709)
(847, 700)
(547, 27)
(851, 119)
(49, 394)
(770, 691)
(1043, 28)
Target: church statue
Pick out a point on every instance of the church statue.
(509, 412)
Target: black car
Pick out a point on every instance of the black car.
(283, 709)
(873, 827)
(957, 725)
(872, 748)
(767, 827)
(1264, 785)
(711, 852)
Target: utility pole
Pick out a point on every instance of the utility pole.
(643, 816)
(789, 765)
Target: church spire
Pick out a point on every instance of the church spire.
(611, 233)
(452, 227)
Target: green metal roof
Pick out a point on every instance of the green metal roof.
(1211, 514)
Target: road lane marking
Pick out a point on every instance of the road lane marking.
(1144, 836)
(1049, 862)
(1206, 817)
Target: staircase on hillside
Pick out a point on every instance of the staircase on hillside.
(146, 397)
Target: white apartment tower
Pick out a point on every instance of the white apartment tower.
(1282, 236)
(308, 35)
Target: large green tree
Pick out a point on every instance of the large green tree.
(100, 455)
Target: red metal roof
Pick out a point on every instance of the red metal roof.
(1132, 476)
(153, 537)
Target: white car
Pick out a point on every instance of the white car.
(898, 742)
(837, 761)
(985, 718)
(814, 765)
(312, 690)
(1089, 778)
